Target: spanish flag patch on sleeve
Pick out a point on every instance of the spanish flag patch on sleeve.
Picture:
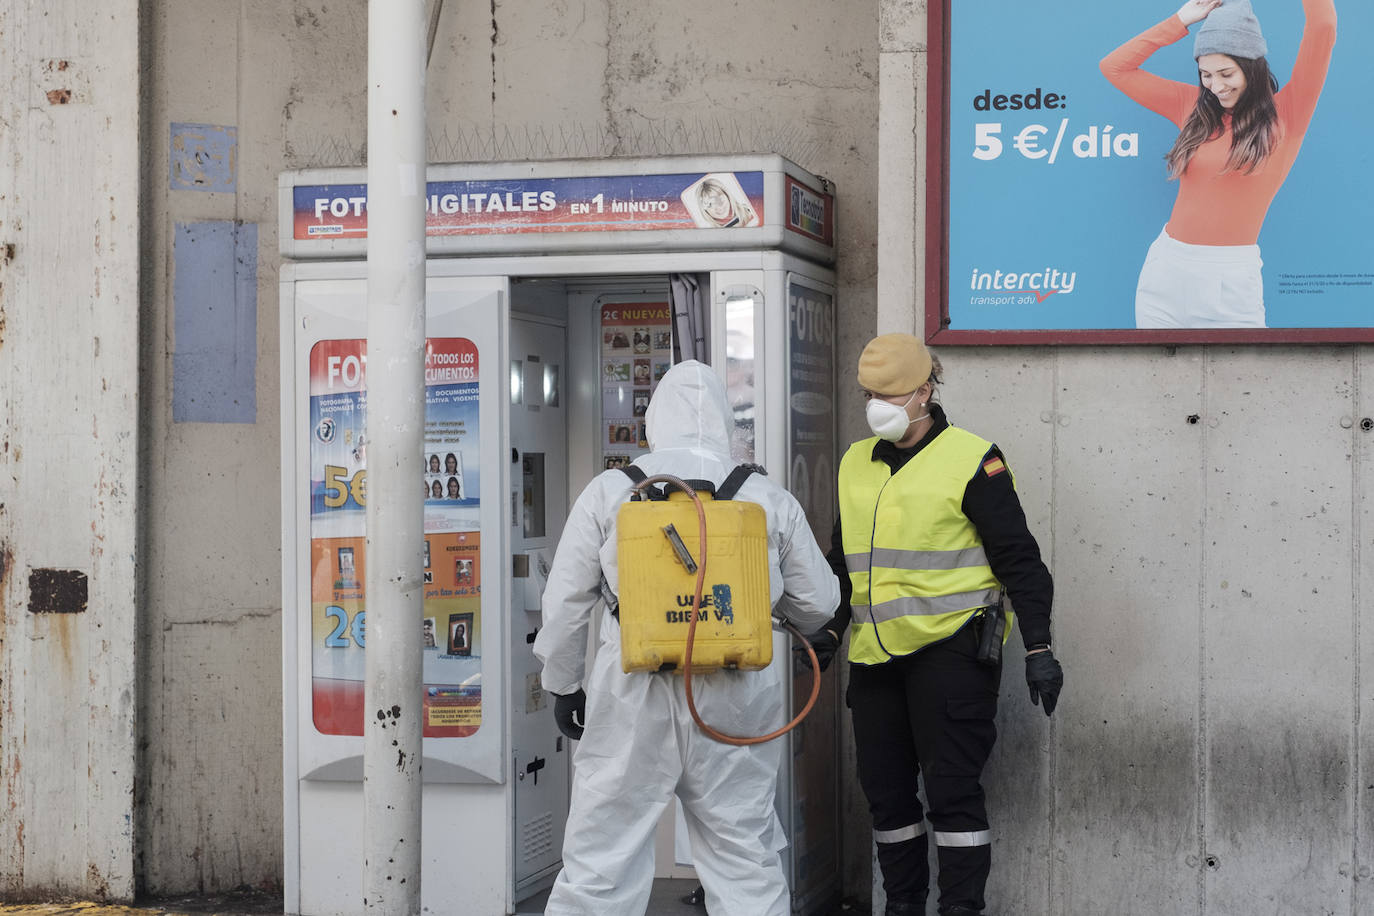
(993, 466)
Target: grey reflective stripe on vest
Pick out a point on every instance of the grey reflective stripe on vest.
(893, 558)
(971, 838)
(901, 834)
(916, 605)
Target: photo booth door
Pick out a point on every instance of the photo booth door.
(539, 498)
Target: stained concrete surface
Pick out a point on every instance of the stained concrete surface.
(233, 903)
(665, 900)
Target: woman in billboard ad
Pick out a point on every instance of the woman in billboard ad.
(1239, 135)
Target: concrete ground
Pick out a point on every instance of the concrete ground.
(664, 901)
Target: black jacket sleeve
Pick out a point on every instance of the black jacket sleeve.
(840, 622)
(991, 503)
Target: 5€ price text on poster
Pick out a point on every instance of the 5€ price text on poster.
(1041, 138)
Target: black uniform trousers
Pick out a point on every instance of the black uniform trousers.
(930, 713)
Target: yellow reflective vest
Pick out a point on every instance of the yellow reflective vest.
(915, 560)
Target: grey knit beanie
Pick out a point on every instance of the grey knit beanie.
(1231, 29)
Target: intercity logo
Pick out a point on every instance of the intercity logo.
(1017, 287)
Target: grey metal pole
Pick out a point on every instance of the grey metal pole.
(392, 726)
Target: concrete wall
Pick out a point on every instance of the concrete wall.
(1206, 512)
(218, 90)
(69, 272)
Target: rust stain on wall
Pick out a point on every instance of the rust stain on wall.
(6, 256)
(53, 67)
(95, 880)
(15, 766)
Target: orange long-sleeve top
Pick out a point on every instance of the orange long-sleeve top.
(1214, 207)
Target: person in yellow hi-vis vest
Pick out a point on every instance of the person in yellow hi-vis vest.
(930, 537)
(638, 744)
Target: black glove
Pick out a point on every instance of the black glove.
(824, 642)
(1045, 678)
(570, 712)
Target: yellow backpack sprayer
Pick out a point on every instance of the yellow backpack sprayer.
(668, 621)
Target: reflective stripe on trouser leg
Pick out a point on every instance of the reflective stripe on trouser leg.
(903, 856)
(965, 860)
(965, 838)
(909, 832)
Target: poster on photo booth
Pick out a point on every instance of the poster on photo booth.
(1057, 183)
(574, 203)
(636, 352)
(451, 619)
(811, 404)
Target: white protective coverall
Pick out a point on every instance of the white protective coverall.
(641, 745)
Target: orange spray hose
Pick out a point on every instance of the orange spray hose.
(722, 737)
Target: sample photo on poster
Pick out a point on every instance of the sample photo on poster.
(717, 201)
(1167, 167)
(460, 634)
(348, 573)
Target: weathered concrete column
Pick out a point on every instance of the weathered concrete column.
(395, 426)
(901, 164)
(901, 194)
(69, 482)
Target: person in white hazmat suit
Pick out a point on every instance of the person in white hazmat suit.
(640, 745)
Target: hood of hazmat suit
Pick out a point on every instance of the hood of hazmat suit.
(641, 745)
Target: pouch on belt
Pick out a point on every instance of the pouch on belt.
(658, 582)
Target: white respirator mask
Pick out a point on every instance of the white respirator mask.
(889, 421)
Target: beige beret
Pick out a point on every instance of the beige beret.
(894, 364)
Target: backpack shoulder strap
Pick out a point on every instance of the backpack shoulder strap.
(737, 477)
(636, 473)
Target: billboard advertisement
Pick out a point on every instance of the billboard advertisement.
(1128, 172)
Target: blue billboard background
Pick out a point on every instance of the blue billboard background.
(1039, 190)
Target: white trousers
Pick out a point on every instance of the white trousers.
(640, 748)
(1199, 286)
